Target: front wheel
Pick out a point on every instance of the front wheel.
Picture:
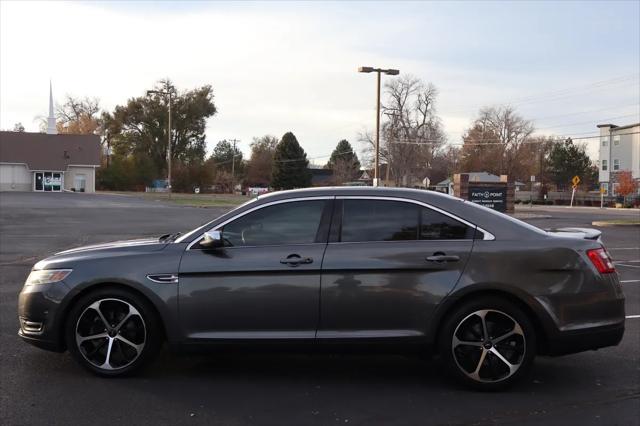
(488, 343)
(112, 332)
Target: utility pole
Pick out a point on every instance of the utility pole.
(233, 165)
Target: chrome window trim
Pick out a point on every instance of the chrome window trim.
(487, 236)
(272, 203)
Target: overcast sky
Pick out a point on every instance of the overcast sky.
(278, 67)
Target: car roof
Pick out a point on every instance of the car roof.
(356, 190)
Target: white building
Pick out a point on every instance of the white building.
(619, 151)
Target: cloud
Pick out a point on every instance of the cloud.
(292, 66)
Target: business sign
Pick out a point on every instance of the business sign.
(495, 198)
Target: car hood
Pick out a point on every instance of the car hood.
(125, 244)
(96, 251)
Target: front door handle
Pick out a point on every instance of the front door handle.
(441, 258)
(295, 260)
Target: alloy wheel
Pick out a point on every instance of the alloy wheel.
(488, 346)
(110, 334)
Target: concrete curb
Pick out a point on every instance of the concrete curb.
(522, 215)
(603, 223)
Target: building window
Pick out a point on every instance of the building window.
(604, 165)
(616, 140)
(614, 188)
(605, 141)
(616, 164)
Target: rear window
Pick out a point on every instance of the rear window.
(386, 220)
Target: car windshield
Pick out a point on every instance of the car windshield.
(190, 233)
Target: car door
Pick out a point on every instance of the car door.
(264, 283)
(388, 264)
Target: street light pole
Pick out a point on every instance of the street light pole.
(377, 165)
(169, 154)
(379, 71)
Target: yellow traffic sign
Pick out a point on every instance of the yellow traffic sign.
(575, 181)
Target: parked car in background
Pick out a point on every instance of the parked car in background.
(349, 265)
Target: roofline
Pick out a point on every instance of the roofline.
(627, 126)
(613, 126)
(9, 163)
(52, 135)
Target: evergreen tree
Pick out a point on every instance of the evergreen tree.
(344, 163)
(290, 165)
(567, 160)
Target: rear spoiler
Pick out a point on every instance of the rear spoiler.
(583, 233)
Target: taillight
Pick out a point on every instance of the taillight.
(601, 260)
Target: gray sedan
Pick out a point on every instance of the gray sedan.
(365, 266)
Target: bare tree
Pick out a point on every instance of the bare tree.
(497, 142)
(78, 115)
(411, 132)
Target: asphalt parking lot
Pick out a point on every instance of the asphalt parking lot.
(39, 387)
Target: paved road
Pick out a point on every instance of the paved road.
(38, 387)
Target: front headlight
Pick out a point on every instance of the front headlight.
(46, 276)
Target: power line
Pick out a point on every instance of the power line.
(498, 142)
(585, 112)
(557, 94)
(590, 121)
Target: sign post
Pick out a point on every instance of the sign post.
(601, 196)
(575, 181)
(533, 179)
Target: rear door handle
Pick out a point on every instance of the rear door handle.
(295, 260)
(443, 258)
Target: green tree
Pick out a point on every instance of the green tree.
(138, 129)
(567, 160)
(290, 165)
(224, 155)
(229, 167)
(344, 163)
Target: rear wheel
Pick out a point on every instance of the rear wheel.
(112, 332)
(488, 343)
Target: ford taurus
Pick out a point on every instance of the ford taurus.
(344, 265)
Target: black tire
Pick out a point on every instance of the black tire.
(142, 330)
(487, 364)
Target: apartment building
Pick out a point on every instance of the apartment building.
(619, 151)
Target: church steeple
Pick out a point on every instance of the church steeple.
(51, 120)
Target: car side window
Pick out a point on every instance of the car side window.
(437, 226)
(296, 222)
(378, 220)
(386, 220)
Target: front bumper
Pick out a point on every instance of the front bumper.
(40, 315)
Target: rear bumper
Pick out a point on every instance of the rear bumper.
(569, 342)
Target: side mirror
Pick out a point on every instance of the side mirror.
(212, 239)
